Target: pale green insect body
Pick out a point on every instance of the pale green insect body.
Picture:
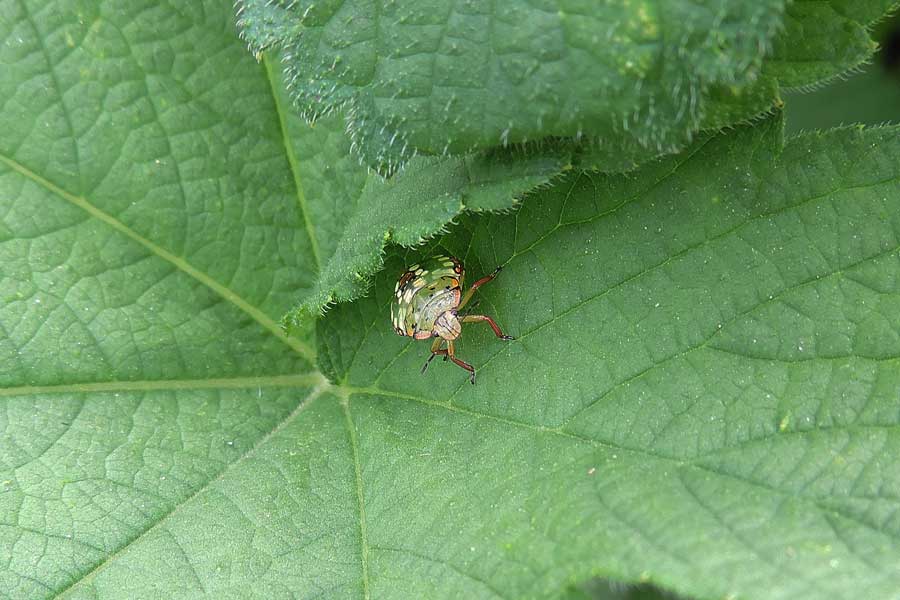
(424, 297)
(427, 301)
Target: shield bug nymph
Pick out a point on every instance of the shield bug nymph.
(427, 301)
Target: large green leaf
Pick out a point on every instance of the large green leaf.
(703, 393)
(437, 77)
(633, 79)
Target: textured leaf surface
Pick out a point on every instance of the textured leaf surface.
(148, 246)
(822, 40)
(438, 77)
(634, 80)
(705, 381)
(144, 188)
(703, 393)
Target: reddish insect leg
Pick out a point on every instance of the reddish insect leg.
(475, 286)
(450, 352)
(489, 321)
(435, 350)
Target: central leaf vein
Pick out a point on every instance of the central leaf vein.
(679, 464)
(292, 161)
(360, 497)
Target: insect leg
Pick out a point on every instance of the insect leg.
(475, 286)
(489, 321)
(450, 352)
(435, 350)
(471, 307)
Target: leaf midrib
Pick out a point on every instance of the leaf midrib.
(360, 496)
(292, 161)
(151, 385)
(614, 447)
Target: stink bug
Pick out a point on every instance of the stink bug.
(427, 301)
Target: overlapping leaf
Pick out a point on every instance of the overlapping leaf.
(631, 79)
(435, 77)
(823, 40)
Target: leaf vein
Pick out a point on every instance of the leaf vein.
(229, 295)
(705, 343)
(164, 385)
(293, 162)
(322, 387)
(360, 497)
(616, 447)
(445, 563)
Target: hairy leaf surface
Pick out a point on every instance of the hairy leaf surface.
(433, 78)
(633, 80)
(822, 40)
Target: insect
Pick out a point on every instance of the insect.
(427, 301)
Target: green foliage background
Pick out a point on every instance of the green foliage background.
(703, 396)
